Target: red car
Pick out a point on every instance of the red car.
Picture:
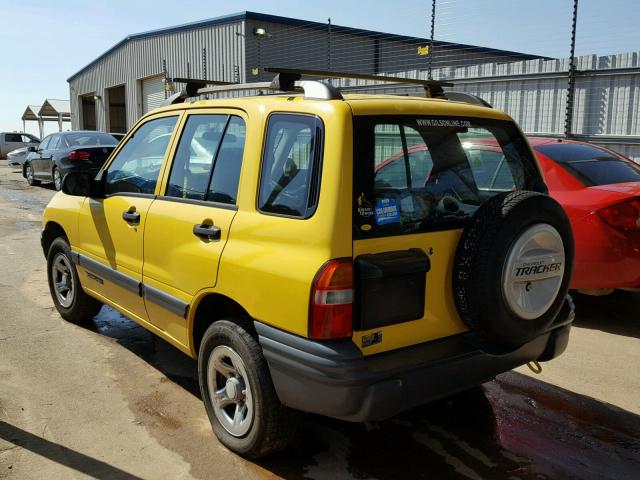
(600, 190)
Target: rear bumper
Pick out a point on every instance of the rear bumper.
(334, 379)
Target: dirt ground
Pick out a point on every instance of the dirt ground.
(110, 400)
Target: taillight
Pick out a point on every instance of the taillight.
(624, 216)
(79, 155)
(331, 304)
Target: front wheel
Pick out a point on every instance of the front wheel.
(238, 394)
(28, 173)
(69, 298)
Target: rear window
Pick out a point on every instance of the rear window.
(87, 139)
(591, 165)
(416, 174)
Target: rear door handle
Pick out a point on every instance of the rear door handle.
(131, 216)
(208, 232)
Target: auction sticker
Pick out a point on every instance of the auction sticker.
(387, 211)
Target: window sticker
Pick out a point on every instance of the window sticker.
(442, 122)
(387, 211)
(364, 207)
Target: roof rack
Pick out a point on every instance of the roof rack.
(290, 80)
(433, 88)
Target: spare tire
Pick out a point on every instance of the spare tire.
(512, 269)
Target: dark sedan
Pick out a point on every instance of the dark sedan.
(59, 153)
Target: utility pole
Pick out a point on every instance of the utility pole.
(433, 29)
(568, 120)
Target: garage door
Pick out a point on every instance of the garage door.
(152, 93)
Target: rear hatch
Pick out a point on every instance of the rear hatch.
(417, 182)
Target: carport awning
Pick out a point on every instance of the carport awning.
(55, 108)
(31, 112)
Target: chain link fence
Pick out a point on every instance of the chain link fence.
(543, 62)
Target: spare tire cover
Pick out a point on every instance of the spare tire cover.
(512, 269)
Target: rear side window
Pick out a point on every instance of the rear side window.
(289, 180)
(591, 165)
(226, 173)
(12, 137)
(416, 174)
(208, 160)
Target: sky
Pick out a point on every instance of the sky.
(44, 42)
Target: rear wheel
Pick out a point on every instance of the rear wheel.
(28, 173)
(69, 298)
(238, 394)
(57, 178)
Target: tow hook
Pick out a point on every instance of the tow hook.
(535, 367)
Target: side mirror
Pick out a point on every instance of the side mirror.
(82, 184)
(32, 148)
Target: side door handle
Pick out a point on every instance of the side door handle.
(131, 216)
(208, 232)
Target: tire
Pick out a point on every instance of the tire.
(28, 174)
(76, 306)
(497, 295)
(57, 178)
(268, 425)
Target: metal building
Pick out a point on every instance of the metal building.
(133, 77)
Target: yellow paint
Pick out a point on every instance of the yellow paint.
(441, 318)
(265, 263)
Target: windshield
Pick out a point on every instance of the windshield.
(591, 165)
(86, 139)
(416, 174)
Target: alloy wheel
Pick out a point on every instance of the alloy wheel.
(229, 390)
(62, 277)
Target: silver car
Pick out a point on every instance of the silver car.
(10, 141)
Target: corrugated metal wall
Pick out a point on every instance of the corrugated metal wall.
(141, 58)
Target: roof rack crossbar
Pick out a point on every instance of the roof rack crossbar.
(433, 88)
(191, 88)
(282, 83)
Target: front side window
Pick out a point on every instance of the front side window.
(54, 144)
(289, 179)
(136, 167)
(414, 174)
(45, 143)
(208, 159)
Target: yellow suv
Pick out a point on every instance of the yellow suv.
(347, 255)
